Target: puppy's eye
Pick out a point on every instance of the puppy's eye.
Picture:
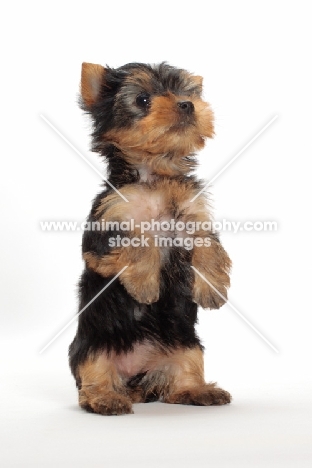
(143, 100)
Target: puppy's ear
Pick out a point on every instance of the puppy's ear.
(198, 80)
(91, 80)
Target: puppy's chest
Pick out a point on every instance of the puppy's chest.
(162, 206)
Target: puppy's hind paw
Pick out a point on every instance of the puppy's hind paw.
(203, 396)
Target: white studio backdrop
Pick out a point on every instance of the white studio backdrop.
(254, 57)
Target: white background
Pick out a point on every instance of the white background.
(255, 59)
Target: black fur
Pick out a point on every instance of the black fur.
(109, 323)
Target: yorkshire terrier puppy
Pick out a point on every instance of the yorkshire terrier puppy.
(136, 340)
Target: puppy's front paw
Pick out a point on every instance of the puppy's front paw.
(140, 278)
(211, 267)
(206, 296)
(106, 265)
(142, 285)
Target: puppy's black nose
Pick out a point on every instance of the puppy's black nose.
(186, 106)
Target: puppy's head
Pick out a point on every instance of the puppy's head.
(148, 112)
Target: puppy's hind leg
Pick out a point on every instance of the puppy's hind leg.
(185, 384)
(101, 389)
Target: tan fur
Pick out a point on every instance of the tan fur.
(146, 201)
(162, 132)
(214, 264)
(91, 78)
(198, 80)
(101, 389)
